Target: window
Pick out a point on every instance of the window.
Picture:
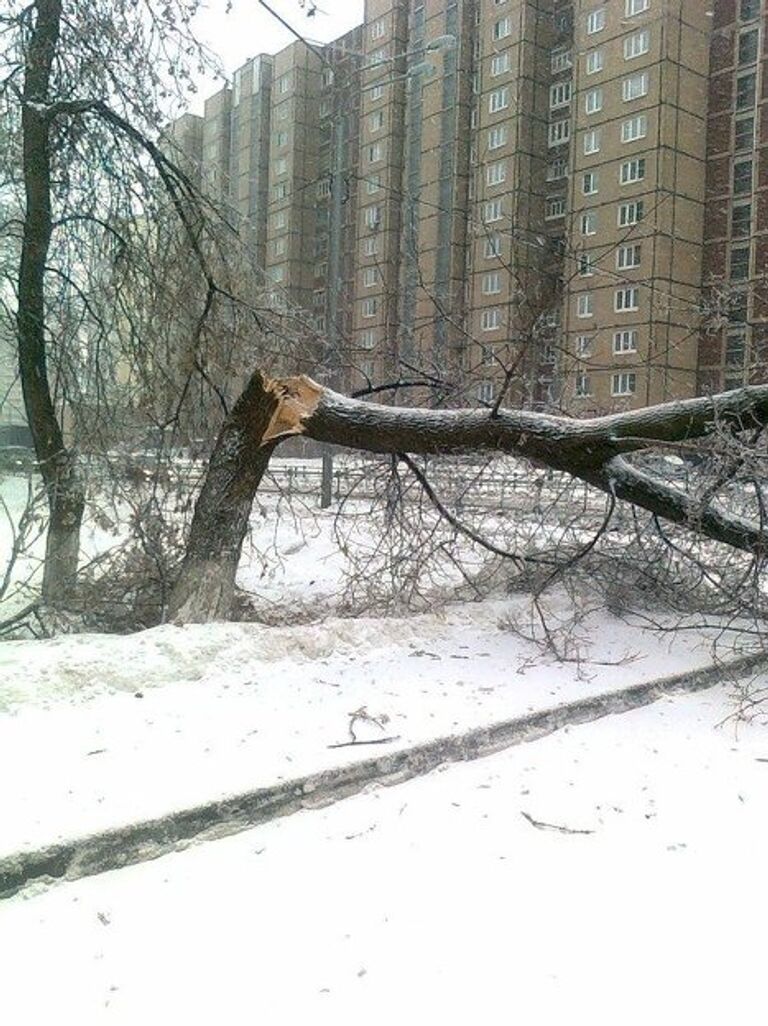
(370, 307)
(736, 347)
(748, 47)
(632, 171)
(327, 76)
(737, 312)
(373, 184)
(281, 166)
(634, 87)
(624, 383)
(284, 84)
(370, 246)
(496, 173)
(376, 121)
(584, 305)
(741, 221)
(593, 101)
(630, 213)
(583, 387)
(739, 263)
(376, 92)
(586, 265)
(626, 299)
(744, 133)
(589, 223)
(378, 29)
(745, 91)
(492, 247)
(632, 7)
(281, 139)
(592, 141)
(560, 94)
(625, 342)
(277, 273)
(492, 211)
(497, 137)
(370, 276)
(490, 319)
(318, 297)
(584, 345)
(485, 392)
(281, 190)
(628, 256)
(637, 44)
(555, 207)
(279, 220)
(280, 245)
(557, 169)
(595, 21)
(321, 268)
(499, 64)
(749, 9)
(498, 100)
(373, 216)
(589, 183)
(559, 133)
(560, 60)
(634, 128)
(378, 57)
(323, 189)
(595, 61)
(742, 177)
(502, 28)
(367, 338)
(491, 283)
(375, 153)
(549, 354)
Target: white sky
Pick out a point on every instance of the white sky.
(249, 29)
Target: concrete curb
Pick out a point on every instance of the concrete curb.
(139, 842)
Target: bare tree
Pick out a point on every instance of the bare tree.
(84, 89)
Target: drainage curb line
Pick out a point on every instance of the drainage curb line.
(150, 839)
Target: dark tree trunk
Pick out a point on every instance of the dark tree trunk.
(205, 586)
(591, 450)
(57, 464)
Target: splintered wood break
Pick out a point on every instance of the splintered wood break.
(297, 399)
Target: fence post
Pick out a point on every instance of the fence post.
(326, 481)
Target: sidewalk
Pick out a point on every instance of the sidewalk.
(609, 872)
(183, 718)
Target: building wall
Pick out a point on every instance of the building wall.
(560, 205)
(734, 344)
(632, 311)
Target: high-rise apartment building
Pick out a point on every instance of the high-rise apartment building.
(563, 199)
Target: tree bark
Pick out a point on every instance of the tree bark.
(591, 450)
(205, 586)
(58, 465)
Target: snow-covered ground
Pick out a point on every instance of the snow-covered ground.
(438, 901)
(136, 726)
(608, 873)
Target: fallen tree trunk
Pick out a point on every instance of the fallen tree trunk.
(592, 450)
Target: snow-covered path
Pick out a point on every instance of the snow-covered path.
(99, 731)
(437, 901)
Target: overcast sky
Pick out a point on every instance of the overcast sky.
(249, 29)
